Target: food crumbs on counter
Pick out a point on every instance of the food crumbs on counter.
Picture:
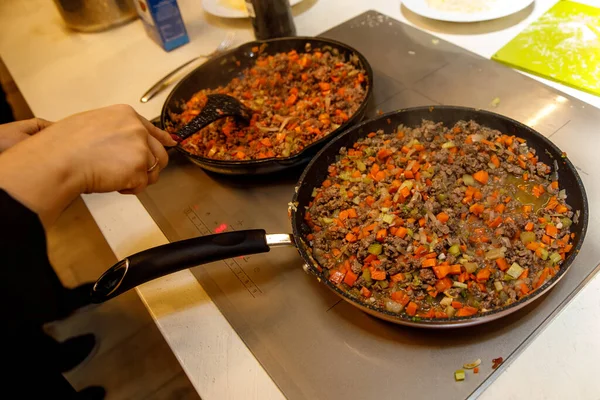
(495, 102)
(435, 41)
(412, 53)
(472, 364)
(496, 362)
(476, 370)
(459, 375)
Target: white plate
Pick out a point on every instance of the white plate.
(230, 8)
(496, 9)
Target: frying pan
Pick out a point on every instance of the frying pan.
(159, 261)
(222, 69)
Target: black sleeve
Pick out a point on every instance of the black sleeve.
(29, 286)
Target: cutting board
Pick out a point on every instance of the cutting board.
(562, 45)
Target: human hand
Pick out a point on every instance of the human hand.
(15, 132)
(104, 150)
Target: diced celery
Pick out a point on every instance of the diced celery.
(494, 253)
(442, 197)
(448, 145)
(527, 237)
(468, 180)
(314, 193)
(410, 232)
(454, 250)
(366, 275)
(450, 311)
(543, 253)
(498, 286)
(555, 258)
(406, 184)
(515, 270)
(327, 220)
(471, 267)
(566, 222)
(459, 375)
(375, 249)
(446, 301)
(360, 165)
(388, 218)
(461, 285)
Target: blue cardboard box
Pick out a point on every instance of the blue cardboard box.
(163, 23)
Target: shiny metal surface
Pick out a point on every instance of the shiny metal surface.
(292, 323)
(279, 240)
(168, 79)
(95, 15)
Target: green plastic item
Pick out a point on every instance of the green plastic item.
(563, 45)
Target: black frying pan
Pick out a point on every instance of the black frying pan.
(159, 261)
(221, 70)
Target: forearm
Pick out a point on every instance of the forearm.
(41, 180)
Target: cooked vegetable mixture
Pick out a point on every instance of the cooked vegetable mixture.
(438, 222)
(297, 99)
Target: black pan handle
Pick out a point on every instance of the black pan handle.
(169, 258)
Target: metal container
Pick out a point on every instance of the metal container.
(95, 15)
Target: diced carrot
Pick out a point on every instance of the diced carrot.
(529, 226)
(546, 239)
(365, 292)
(377, 274)
(411, 309)
(500, 208)
(336, 252)
(383, 154)
(455, 269)
(533, 245)
(336, 276)
(351, 237)
(551, 230)
(495, 222)
(324, 86)
(483, 275)
(370, 200)
(443, 217)
(429, 262)
(524, 288)
(494, 159)
(399, 277)
(502, 264)
(542, 278)
(481, 177)
(477, 209)
(352, 213)
(401, 297)
(524, 274)
(561, 209)
(381, 235)
(466, 311)
(343, 215)
(326, 183)
(457, 305)
(350, 278)
(440, 270)
(527, 209)
(422, 222)
(443, 284)
(401, 232)
(409, 174)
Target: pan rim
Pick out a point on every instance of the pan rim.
(454, 322)
(295, 158)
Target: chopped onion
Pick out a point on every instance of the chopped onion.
(393, 306)
(476, 137)
(446, 301)
(284, 123)
(472, 364)
(327, 102)
(495, 253)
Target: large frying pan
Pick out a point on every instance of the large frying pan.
(159, 261)
(222, 69)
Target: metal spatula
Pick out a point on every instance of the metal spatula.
(217, 106)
